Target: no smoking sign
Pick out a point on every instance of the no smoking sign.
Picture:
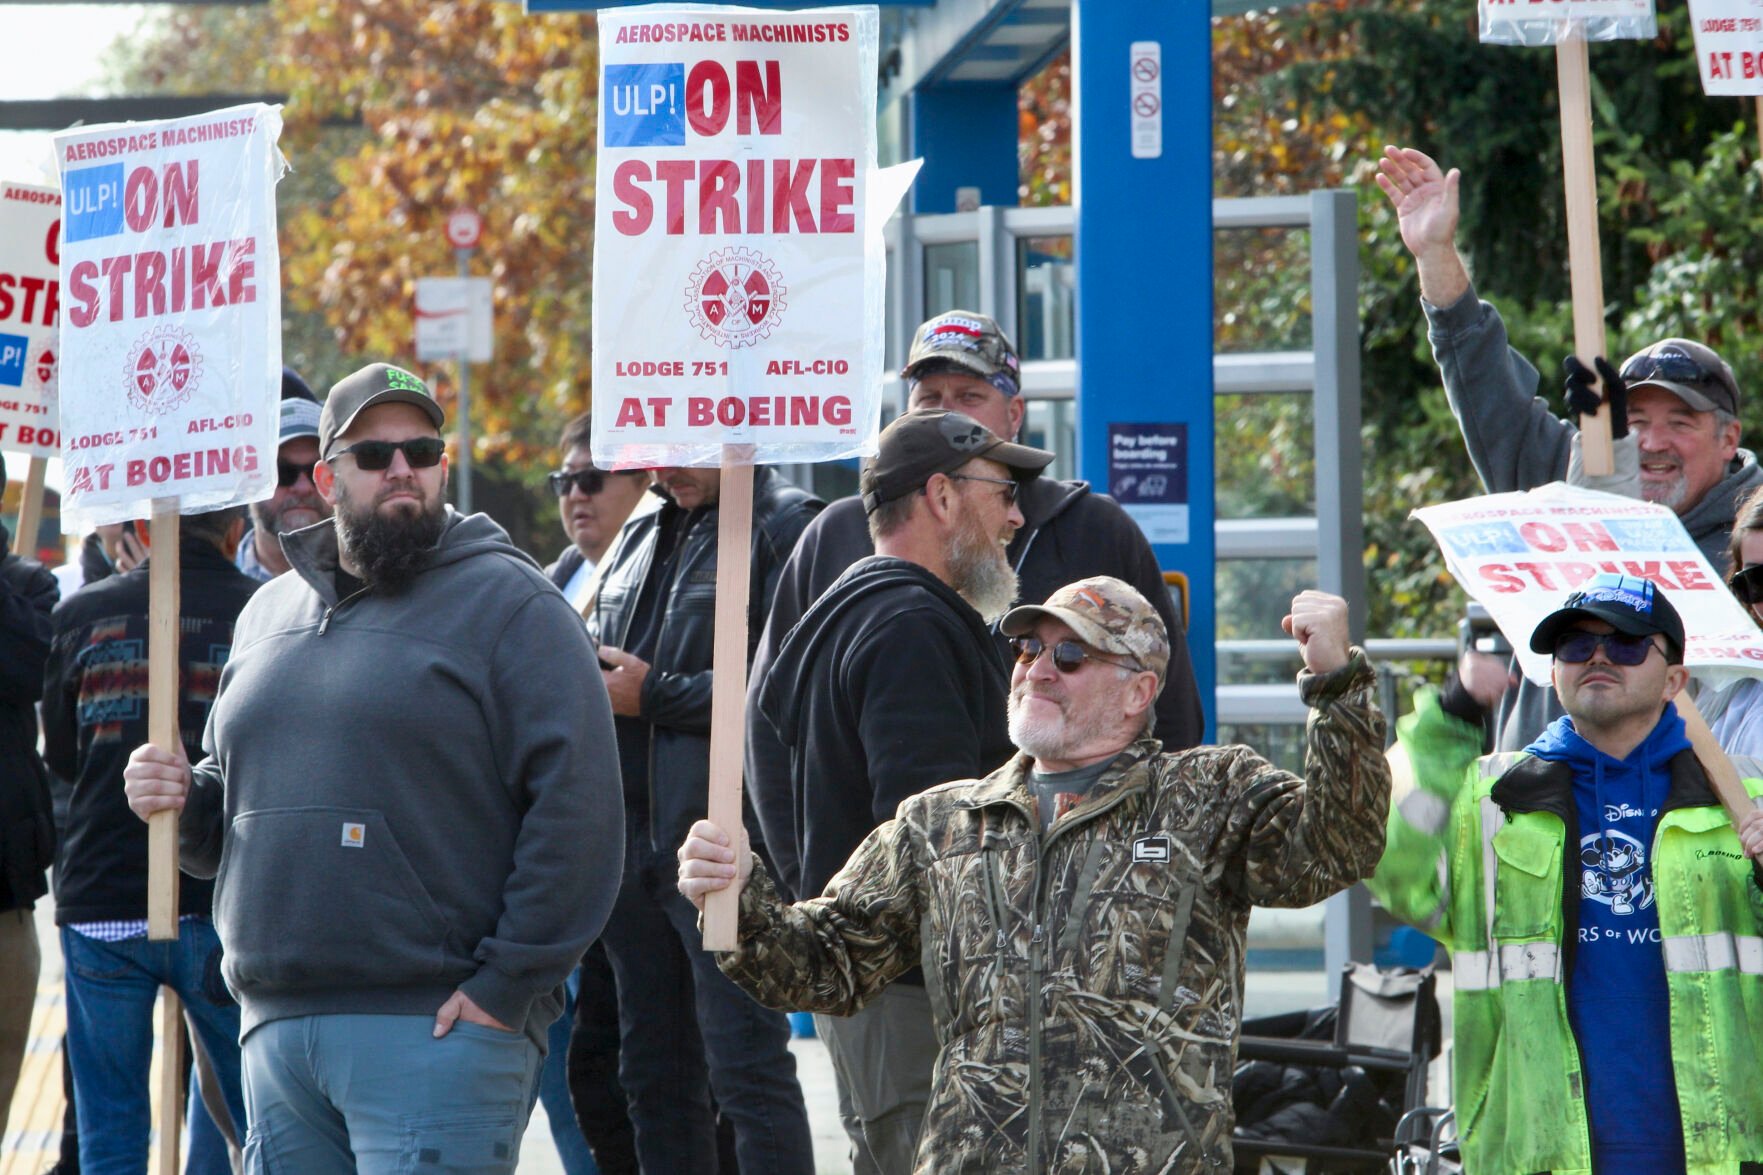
(1146, 101)
(464, 226)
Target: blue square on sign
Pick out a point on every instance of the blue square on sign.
(93, 205)
(645, 105)
(13, 349)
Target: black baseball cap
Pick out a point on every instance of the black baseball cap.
(920, 444)
(377, 383)
(1627, 603)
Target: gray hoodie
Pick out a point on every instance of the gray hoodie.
(408, 794)
(1516, 442)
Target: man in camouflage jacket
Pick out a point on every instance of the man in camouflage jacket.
(1080, 913)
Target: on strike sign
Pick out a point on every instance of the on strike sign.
(171, 313)
(737, 266)
(1519, 555)
(30, 306)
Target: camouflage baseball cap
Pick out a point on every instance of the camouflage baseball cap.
(1107, 614)
(968, 340)
(377, 383)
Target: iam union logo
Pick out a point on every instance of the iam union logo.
(735, 297)
(164, 367)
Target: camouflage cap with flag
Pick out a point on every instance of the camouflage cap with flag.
(968, 340)
(1107, 614)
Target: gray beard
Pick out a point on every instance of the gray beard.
(981, 574)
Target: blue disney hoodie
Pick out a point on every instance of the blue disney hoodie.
(1616, 996)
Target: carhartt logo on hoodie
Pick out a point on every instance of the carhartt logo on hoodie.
(354, 836)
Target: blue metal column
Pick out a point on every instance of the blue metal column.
(1144, 267)
(966, 134)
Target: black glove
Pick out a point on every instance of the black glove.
(1582, 398)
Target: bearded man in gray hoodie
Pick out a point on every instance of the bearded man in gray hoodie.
(411, 806)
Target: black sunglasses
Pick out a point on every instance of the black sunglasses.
(1068, 656)
(1577, 647)
(1747, 584)
(289, 472)
(1011, 485)
(588, 481)
(373, 456)
(1671, 366)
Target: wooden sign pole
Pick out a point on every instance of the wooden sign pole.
(30, 510)
(1573, 75)
(163, 605)
(1585, 262)
(728, 676)
(1722, 775)
(162, 713)
(171, 1081)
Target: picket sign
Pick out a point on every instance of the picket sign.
(737, 166)
(169, 369)
(169, 379)
(1519, 554)
(30, 247)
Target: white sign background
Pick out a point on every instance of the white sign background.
(1545, 22)
(1519, 555)
(454, 319)
(30, 280)
(1729, 45)
(171, 340)
(738, 261)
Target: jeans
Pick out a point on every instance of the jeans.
(572, 1147)
(378, 1094)
(110, 991)
(680, 1019)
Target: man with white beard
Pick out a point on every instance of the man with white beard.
(890, 684)
(1080, 912)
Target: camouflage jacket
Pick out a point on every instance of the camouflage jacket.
(1075, 1038)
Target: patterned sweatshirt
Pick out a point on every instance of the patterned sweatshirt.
(1086, 981)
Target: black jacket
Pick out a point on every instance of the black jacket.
(27, 823)
(676, 693)
(1069, 533)
(95, 714)
(891, 684)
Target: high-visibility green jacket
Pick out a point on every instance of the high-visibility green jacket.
(1475, 857)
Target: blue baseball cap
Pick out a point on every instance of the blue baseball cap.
(1627, 603)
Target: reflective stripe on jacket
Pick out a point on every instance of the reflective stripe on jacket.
(1475, 857)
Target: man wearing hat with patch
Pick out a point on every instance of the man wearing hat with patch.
(1080, 912)
(1675, 403)
(411, 779)
(1603, 915)
(890, 685)
(296, 502)
(962, 362)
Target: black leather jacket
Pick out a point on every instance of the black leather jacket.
(27, 826)
(676, 693)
